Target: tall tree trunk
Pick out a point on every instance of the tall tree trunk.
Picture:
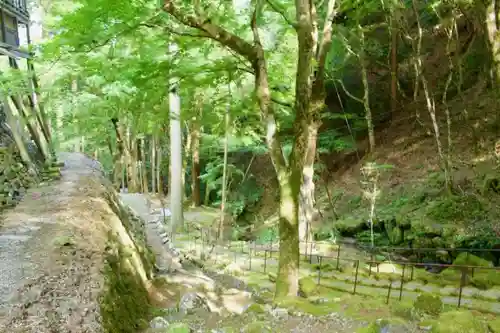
(131, 160)
(176, 189)
(37, 104)
(394, 65)
(431, 108)
(187, 151)
(33, 128)
(36, 110)
(289, 177)
(153, 164)
(366, 95)
(308, 212)
(195, 162)
(21, 145)
(159, 165)
(493, 27)
(224, 170)
(144, 170)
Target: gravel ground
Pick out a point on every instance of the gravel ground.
(51, 247)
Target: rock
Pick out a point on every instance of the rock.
(280, 313)
(387, 267)
(191, 301)
(319, 300)
(158, 322)
(233, 269)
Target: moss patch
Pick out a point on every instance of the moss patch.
(494, 325)
(178, 328)
(124, 306)
(307, 286)
(257, 327)
(459, 322)
(467, 259)
(428, 304)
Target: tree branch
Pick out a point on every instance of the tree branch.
(172, 31)
(357, 99)
(326, 39)
(213, 31)
(281, 13)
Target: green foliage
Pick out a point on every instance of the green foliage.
(456, 208)
(267, 235)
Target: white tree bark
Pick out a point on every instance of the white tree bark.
(176, 190)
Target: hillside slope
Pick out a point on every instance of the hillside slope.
(413, 209)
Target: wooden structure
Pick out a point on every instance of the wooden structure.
(25, 111)
(13, 15)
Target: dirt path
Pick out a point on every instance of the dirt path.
(51, 247)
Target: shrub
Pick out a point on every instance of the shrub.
(428, 304)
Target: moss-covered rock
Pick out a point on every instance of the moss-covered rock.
(375, 327)
(468, 259)
(372, 328)
(486, 279)
(428, 304)
(257, 327)
(256, 308)
(178, 328)
(307, 286)
(459, 322)
(494, 326)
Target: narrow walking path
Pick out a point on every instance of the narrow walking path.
(219, 299)
(51, 247)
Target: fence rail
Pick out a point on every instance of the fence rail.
(268, 251)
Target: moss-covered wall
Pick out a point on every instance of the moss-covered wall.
(125, 304)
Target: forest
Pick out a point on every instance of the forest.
(369, 121)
